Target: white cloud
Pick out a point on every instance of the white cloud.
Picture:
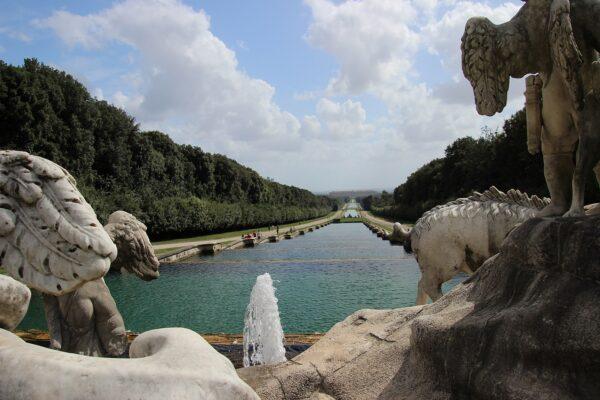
(182, 79)
(377, 44)
(442, 35)
(98, 93)
(15, 34)
(311, 126)
(343, 121)
(371, 39)
(186, 75)
(126, 102)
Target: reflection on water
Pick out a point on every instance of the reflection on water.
(321, 278)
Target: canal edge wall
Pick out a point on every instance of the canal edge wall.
(216, 247)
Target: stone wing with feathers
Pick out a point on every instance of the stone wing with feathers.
(50, 238)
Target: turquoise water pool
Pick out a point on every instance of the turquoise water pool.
(321, 278)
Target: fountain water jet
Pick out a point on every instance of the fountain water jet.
(263, 335)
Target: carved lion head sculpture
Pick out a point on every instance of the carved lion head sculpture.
(135, 253)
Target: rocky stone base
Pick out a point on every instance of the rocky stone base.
(525, 326)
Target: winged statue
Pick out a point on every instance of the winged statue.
(50, 237)
(559, 42)
(87, 320)
(52, 241)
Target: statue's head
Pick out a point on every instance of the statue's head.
(398, 230)
(135, 252)
(400, 233)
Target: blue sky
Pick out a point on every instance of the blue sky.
(322, 94)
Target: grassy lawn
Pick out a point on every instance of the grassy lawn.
(160, 252)
(404, 223)
(236, 233)
(384, 227)
(2, 271)
(168, 250)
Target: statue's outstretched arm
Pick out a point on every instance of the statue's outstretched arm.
(566, 55)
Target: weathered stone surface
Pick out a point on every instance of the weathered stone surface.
(525, 326)
(50, 238)
(356, 359)
(87, 321)
(172, 363)
(135, 252)
(460, 235)
(14, 301)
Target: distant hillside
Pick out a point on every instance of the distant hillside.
(352, 194)
(176, 190)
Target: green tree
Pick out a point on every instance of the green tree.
(474, 164)
(176, 190)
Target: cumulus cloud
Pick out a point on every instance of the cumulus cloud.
(311, 126)
(377, 44)
(442, 35)
(187, 76)
(15, 34)
(343, 121)
(371, 39)
(399, 57)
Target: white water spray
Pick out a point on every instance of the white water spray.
(263, 336)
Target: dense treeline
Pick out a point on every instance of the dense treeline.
(500, 159)
(377, 201)
(176, 190)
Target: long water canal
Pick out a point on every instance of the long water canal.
(321, 278)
